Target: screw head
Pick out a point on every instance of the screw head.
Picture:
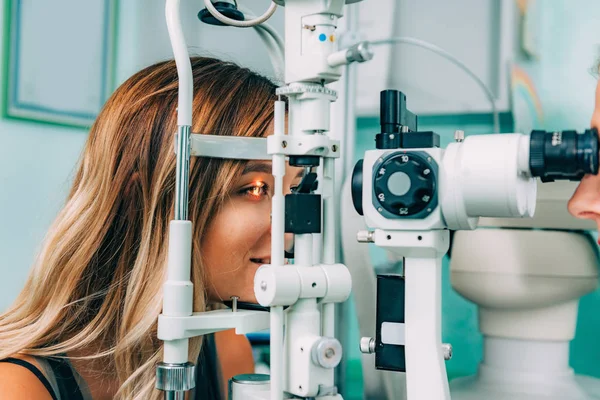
(334, 148)
(284, 144)
(263, 286)
(459, 135)
(447, 349)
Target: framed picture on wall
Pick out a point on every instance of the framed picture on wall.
(60, 59)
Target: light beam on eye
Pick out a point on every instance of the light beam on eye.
(257, 189)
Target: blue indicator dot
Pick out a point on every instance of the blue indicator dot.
(322, 37)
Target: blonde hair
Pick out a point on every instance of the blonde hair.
(98, 278)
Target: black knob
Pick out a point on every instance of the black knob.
(357, 187)
(227, 9)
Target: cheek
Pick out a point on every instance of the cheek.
(234, 231)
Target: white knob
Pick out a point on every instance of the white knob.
(327, 352)
(367, 345)
(365, 237)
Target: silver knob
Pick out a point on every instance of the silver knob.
(365, 237)
(447, 349)
(459, 135)
(360, 52)
(175, 377)
(367, 345)
(327, 352)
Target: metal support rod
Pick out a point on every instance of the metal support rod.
(182, 173)
(177, 375)
(276, 347)
(329, 239)
(329, 208)
(277, 256)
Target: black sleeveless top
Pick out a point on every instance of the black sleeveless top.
(208, 377)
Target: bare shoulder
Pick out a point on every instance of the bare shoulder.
(17, 382)
(235, 354)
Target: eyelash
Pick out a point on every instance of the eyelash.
(262, 186)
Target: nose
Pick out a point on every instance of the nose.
(289, 242)
(288, 238)
(585, 203)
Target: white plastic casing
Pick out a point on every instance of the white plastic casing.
(248, 389)
(178, 289)
(282, 286)
(276, 286)
(305, 377)
(526, 283)
(484, 177)
(318, 145)
(307, 22)
(339, 283)
(310, 109)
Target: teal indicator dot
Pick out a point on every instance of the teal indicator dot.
(322, 37)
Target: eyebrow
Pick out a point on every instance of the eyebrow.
(264, 168)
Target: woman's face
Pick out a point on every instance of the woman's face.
(585, 203)
(238, 239)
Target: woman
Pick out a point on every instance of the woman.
(585, 203)
(95, 292)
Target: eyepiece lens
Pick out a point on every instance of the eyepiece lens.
(564, 155)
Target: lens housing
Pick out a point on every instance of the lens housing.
(564, 155)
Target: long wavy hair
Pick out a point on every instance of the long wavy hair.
(97, 281)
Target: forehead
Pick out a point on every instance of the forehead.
(265, 167)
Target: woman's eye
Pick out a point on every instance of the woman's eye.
(257, 190)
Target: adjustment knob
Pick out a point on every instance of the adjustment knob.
(175, 377)
(327, 353)
(405, 185)
(227, 8)
(367, 345)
